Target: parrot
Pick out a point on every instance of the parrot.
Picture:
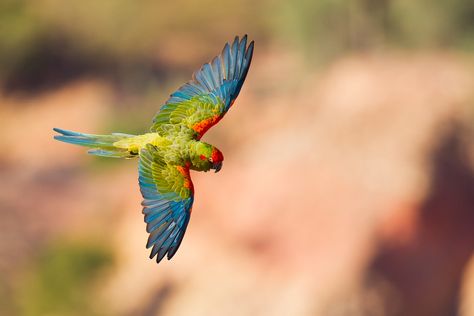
(173, 146)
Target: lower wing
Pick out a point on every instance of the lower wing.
(168, 197)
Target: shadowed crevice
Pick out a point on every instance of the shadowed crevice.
(427, 272)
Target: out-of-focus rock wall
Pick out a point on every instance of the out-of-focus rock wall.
(344, 192)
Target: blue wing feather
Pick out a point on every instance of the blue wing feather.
(166, 214)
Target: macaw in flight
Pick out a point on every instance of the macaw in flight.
(173, 146)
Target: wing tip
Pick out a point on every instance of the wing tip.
(160, 254)
(251, 45)
(238, 41)
(249, 52)
(165, 249)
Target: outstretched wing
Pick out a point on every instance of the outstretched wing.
(168, 198)
(203, 101)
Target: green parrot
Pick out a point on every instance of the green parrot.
(173, 146)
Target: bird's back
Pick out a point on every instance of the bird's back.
(136, 143)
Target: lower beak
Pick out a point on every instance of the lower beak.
(217, 166)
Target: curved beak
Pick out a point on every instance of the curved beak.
(217, 166)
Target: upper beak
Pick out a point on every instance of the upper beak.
(217, 166)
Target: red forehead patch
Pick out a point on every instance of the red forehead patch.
(217, 155)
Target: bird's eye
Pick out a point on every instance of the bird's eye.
(210, 160)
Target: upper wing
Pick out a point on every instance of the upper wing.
(203, 101)
(168, 198)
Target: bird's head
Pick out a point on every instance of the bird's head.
(209, 157)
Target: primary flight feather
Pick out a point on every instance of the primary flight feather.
(173, 146)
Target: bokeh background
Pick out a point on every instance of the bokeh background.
(348, 184)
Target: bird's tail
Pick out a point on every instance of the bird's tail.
(102, 145)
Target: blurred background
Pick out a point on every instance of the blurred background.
(348, 185)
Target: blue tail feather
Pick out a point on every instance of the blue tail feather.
(102, 145)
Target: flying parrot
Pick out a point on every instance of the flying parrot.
(173, 146)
